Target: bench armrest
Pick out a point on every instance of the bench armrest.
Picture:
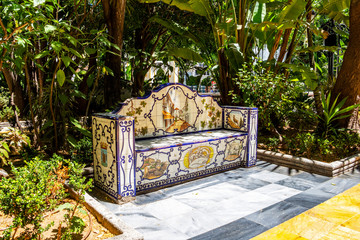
(243, 119)
(114, 154)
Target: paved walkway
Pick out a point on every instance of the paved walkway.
(238, 204)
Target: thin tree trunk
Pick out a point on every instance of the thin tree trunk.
(15, 87)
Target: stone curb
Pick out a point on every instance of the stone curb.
(333, 169)
(108, 219)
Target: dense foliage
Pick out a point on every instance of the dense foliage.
(36, 189)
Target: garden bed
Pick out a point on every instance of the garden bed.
(93, 229)
(331, 169)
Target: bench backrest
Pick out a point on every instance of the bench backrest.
(172, 109)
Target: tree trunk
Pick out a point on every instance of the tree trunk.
(114, 13)
(15, 87)
(225, 80)
(138, 82)
(348, 81)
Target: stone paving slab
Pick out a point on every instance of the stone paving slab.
(228, 205)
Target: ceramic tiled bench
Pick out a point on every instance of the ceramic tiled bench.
(170, 136)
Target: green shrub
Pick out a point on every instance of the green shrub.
(36, 188)
(82, 152)
(276, 97)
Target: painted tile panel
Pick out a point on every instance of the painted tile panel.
(104, 149)
(163, 166)
(172, 110)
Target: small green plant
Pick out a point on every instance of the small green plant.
(12, 142)
(36, 188)
(332, 112)
(82, 151)
(75, 224)
(15, 139)
(4, 153)
(273, 143)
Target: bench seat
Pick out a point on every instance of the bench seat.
(142, 145)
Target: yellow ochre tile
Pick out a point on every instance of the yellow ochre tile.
(332, 213)
(342, 233)
(354, 191)
(307, 226)
(353, 223)
(344, 201)
(278, 234)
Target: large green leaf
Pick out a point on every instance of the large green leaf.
(57, 46)
(259, 12)
(200, 7)
(60, 76)
(235, 56)
(318, 48)
(185, 53)
(67, 60)
(49, 28)
(293, 10)
(335, 9)
(308, 76)
(175, 27)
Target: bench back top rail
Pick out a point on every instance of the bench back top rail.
(172, 109)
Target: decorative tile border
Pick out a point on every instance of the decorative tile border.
(333, 169)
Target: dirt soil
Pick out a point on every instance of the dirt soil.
(93, 230)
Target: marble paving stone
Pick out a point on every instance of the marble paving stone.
(297, 183)
(191, 186)
(277, 191)
(268, 176)
(161, 232)
(139, 219)
(229, 210)
(150, 197)
(310, 198)
(210, 195)
(193, 223)
(276, 214)
(313, 177)
(240, 229)
(248, 182)
(278, 234)
(117, 209)
(337, 185)
(167, 208)
(278, 169)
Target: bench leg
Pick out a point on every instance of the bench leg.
(252, 141)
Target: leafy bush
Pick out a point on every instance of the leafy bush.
(12, 141)
(274, 95)
(6, 113)
(36, 188)
(82, 152)
(313, 146)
